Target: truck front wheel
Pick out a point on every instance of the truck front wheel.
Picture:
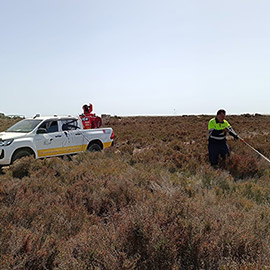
(20, 154)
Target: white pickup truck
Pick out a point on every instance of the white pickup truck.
(51, 136)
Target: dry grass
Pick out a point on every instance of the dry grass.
(150, 202)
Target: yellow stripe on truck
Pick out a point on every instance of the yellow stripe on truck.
(61, 150)
(107, 144)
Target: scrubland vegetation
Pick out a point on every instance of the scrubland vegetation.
(150, 202)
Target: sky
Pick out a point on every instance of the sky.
(127, 57)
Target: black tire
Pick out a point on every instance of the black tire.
(20, 154)
(94, 148)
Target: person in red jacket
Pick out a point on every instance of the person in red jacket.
(89, 119)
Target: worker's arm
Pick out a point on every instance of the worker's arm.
(231, 131)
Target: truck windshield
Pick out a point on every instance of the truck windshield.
(24, 126)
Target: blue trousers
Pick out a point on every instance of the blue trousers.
(217, 149)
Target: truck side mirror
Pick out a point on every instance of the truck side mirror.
(41, 131)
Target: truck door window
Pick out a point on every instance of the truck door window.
(50, 126)
(53, 127)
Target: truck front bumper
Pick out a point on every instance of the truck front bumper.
(5, 154)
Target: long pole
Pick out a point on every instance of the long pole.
(242, 140)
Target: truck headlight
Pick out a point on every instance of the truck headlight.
(6, 142)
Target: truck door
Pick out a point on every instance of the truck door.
(49, 139)
(73, 137)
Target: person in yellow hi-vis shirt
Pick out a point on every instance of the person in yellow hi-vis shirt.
(218, 128)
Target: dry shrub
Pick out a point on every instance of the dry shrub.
(21, 168)
(161, 206)
(243, 166)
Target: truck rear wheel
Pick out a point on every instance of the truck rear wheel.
(94, 148)
(20, 154)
